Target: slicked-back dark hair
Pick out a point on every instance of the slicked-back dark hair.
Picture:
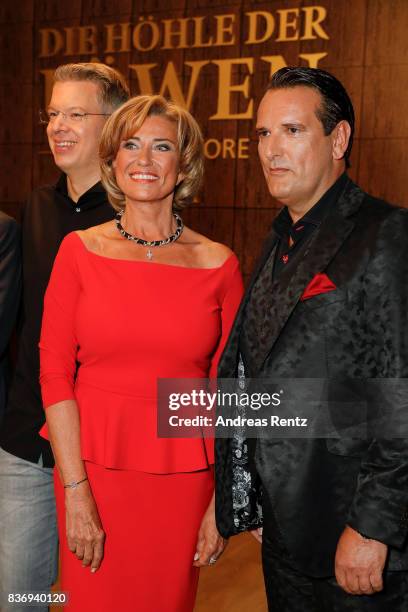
(336, 104)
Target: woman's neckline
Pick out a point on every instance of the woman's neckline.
(148, 263)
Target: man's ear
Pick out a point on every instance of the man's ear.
(341, 137)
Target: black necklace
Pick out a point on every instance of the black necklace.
(150, 243)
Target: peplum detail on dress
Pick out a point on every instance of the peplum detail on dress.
(126, 435)
(127, 323)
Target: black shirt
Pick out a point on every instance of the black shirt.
(304, 227)
(48, 216)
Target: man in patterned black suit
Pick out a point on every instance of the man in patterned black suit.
(328, 300)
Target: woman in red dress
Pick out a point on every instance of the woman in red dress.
(131, 301)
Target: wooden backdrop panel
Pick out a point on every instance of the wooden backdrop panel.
(367, 49)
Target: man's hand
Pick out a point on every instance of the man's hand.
(359, 563)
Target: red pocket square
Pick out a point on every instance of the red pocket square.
(321, 283)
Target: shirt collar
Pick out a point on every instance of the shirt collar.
(91, 198)
(283, 224)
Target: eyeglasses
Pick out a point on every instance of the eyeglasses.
(74, 117)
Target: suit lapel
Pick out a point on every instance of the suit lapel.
(324, 244)
(228, 360)
(288, 288)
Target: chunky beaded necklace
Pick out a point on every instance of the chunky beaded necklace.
(150, 243)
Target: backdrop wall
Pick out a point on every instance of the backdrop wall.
(215, 58)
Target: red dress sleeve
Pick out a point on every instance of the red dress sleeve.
(58, 343)
(234, 290)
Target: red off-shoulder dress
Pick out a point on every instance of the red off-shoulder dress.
(127, 323)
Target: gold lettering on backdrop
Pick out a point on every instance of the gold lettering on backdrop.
(225, 30)
(193, 32)
(52, 42)
(113, 36)
(69, 41)
(276, 62)
(243, 146)
(198, 34)
(78, 41)
(172, 87)
(212, 148)
(313, 24)
(288, 25)
(171, 83)
(87, 40)
(259, 20)
(226, 148)
(144, 77)
(226, 88)
(138, 33)
(180, 33)
(232, 77)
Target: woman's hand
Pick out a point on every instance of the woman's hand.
(257, 534)
(84, 528)
(210, 545)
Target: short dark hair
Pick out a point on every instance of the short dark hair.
(336, 104)
(113, 89)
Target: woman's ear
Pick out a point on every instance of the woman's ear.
(180, 178)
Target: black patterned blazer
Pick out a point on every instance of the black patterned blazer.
(357, 331)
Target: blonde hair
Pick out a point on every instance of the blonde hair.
(127, 120)
(113, 89)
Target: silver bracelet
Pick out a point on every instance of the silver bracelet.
(73, 485)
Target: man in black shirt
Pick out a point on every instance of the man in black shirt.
(10, 285)
(327, 302)
(83, 96)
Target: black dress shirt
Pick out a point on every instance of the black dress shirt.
(48, 216)
(302, 230)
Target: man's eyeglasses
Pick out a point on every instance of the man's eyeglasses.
(74, 117)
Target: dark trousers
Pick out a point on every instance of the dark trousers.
(288, 590)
